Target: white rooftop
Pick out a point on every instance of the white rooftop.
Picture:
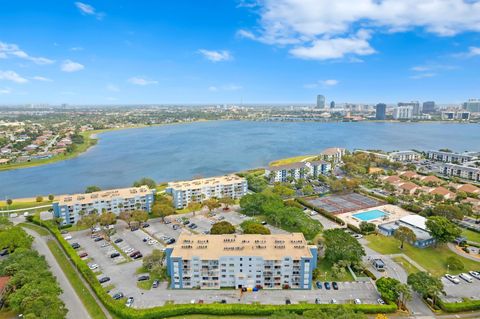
(415, 220)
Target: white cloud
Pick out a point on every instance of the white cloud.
(12, 76)
(41, 78)
(310, 24)
(330, 82)
(71, 66)
(226, 87)
(423, 76)
(112, 88)
(141, 81)
(76, 49)
(216, 56)
(87, 9)
(13, 50)
(472, 51)
(5, 91)
(321, 83)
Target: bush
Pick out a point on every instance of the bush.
(369, 274)
(455, 263)
(354, 228)
(253, 227)
(223, 227)
(367, 228)
(39, 199)
(468, 305)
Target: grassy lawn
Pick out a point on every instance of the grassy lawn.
(289, 160)
(145, 285)
(22, 204)
(433, 258)
(325, 267)
(40, 230)
(471, 235)
(84, 294)
(409, 268)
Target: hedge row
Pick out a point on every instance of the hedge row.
(354, 228)
(121, 311)
(322, 212)
(459, 306)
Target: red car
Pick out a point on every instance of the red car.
(82, 255)
(134, 253)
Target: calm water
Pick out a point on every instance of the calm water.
(178, 152)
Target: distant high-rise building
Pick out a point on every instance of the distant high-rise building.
(332, 104)
(403, 112)
(472, 105)
(428, 107)
(380, 111)
(415, 106)
(320, 101)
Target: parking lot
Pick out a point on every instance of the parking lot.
(464, 289)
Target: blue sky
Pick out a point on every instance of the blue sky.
(216, 51)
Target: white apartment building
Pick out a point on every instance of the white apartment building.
(449, 157)
(70, 207)
(278, 261)
(333, 154)
(298, 170)
(198, 190)
(403, 112)
(404, 156)
(462, 171)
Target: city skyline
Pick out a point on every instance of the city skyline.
(241, 52)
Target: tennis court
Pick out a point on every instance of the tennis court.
(339, 204)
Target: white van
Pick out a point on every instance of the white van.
(466, 277)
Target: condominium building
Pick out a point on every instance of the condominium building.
(472, 105)
(380, 111)
(455, 115)
(70, 207)
(298, 170)
(462, 171)
(320, 101)
(428, 107)
(403, 112)
(333, 154)
(404, 156)
(241, 261)
(198, 190)
(443, 156)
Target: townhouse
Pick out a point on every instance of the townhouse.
(461, 171)
(70, 208)
(198, 190)
(280, 261)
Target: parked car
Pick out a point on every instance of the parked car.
(452, 278)
(118, 240)
(155, 283)
(118, 295)
(93, 266)
(357, 301)
(143, 278)
(327, 285)
(129, 302)
(134, 253)
(318, 284)
(175, 226)
(134, 228)
(129, 250)
(83, 255)
(335, 285)
(193, 226)
(115, 255)
(98, 239)
(170, 241)
(380, 301)
(333, 301)
(475, 274)
(264, 223)
(466, 277)
(103, 280)
(145, 239)
(358, 236)
(145, 225)
(138, 256)
(224, 301)
(68, 237)
(166, 221)
(288, 302)
(186, 222)
(317, 301)
(75, 245)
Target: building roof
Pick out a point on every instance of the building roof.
(404, 152)
(441, 191)
(468, 188)
(393, 179)
(204, 182)
(130, 192)
(287, 166)
(431, 178)
(332, 151)
(409, 174)
(415, 220)
(408, 186)
(271, 247)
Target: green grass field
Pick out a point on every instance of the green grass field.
(409, 268)
(471, 235)
(40, 230)
(87, 299)
(21, 205)
(325, 267)
(289, 160)
(433, 258)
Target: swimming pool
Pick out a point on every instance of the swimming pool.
(370, 215)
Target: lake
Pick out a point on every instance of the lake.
(184, 151)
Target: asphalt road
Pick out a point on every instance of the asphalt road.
(69, 296)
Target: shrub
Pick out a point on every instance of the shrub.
(39, 199)
(455, 263)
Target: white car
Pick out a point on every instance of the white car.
(93, 266)
(129, 302)
(357, 301)
(14, 215)
(466, 277)
(130, 250)
(452, 278)
(313, 213)
(26, 214)
(68, 237)
(475, 274)
(334, 301)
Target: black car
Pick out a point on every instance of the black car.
(186, 222)
(75, 245)
(114, 255)
(327, 285)
(155, 283)
(134, 228)
(118, 296)
(143, 278)
(288, 302)
(335, 285)
(118, 240)
(103, 280)
(98, 239)
(137, 256)
(170, 241)
(317, 301)
(318, 284)
(145, 225)
(223, 301)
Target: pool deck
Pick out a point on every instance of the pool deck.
(393, 213)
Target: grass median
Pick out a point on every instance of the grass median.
(83, 293)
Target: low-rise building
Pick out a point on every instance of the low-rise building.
(70, 207)
(298, 170)
(333, 154)
(404, 156)
(278, 261)
(462, 171)
(198, 190)
(442, 191)
(416, 223)
(451, 157)
(468, 188)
